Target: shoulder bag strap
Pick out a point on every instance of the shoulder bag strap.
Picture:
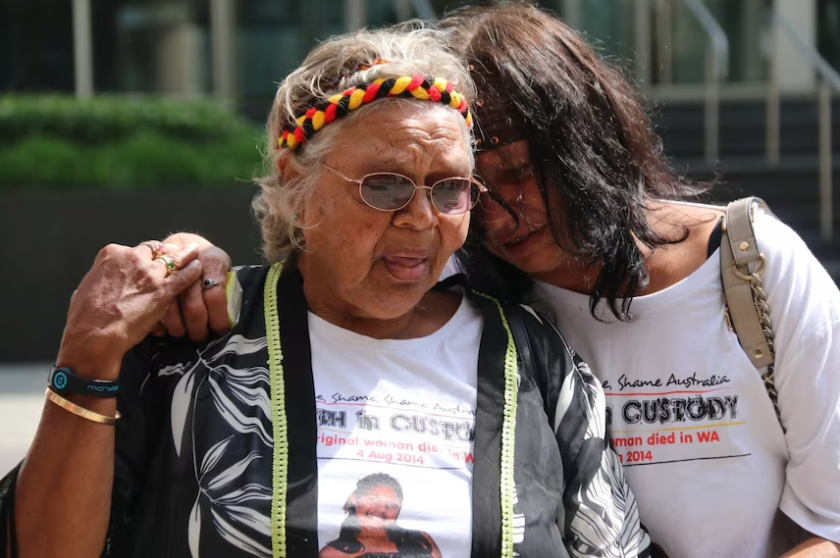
(741, 265)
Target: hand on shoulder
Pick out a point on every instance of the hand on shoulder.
(120, 301)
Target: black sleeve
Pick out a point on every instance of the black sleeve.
(601, 513)
(7, 516)
(136, 403)
(140, 421)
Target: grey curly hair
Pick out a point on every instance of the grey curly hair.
(331, 67)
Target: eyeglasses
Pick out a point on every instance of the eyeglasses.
(388, 191)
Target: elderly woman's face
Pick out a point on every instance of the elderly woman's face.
(379, 264)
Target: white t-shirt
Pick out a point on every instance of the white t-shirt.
(397, 416)
(703, 450)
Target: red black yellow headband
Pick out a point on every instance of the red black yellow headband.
(417, 87)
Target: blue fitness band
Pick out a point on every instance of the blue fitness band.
(64, 381)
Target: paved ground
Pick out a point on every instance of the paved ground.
(21, 401)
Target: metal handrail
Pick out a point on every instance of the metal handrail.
(829, 79)
(717, 68)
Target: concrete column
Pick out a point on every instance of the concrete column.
(572, 13)
(792, 71)
(403, 9)
(177, 61)
(82, 48)
(642, 40)
(752, 22)
(177, 49)
(223, 49)
(664, 41)
(355, 14)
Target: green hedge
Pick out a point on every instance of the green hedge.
(119, 142)
(108, 118)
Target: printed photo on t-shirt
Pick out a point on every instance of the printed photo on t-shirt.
(394, 475)
(371, 528)
(395, 439)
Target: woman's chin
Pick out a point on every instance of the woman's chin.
(390, 300)
(532, 263)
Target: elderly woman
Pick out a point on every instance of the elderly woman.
(344, 365)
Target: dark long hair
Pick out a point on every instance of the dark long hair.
(592, 146)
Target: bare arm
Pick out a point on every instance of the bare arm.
(63, 493)
(815, 547)
(64, 487)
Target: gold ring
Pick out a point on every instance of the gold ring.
(168, 262)
(155, 247)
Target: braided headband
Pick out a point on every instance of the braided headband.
(417, 87)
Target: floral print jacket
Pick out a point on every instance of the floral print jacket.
(197, 474)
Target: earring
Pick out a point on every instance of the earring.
(295, 216)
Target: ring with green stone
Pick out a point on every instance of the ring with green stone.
(168, 262)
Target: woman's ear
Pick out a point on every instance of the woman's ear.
(287, 173)
(283, 165)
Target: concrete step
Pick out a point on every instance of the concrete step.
(742, 127)
(744, 111)
(791, 190)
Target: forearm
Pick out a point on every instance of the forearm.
(815, 547)
(63, 493)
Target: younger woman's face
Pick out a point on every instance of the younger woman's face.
(528, 244)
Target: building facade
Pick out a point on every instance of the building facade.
(238, 49)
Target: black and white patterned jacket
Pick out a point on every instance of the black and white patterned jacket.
(194, 467)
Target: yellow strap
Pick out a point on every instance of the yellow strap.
(507, 487)
(280, 468)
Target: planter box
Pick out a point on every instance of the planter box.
(48, 240)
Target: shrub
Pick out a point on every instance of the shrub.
(120, 143)
(145, 160)
(108, 118)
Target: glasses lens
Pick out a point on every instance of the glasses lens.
(454, 195)
(387, 192)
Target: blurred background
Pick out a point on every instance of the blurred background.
(125, 120)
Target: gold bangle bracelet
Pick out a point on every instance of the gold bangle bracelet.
(80, 411)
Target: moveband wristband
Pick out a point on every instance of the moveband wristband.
(81, 411)
(64, 381)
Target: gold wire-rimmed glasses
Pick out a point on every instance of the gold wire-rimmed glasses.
(389, 191)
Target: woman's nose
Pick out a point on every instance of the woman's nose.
(420, 212)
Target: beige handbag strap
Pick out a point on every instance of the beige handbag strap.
(741, 265)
